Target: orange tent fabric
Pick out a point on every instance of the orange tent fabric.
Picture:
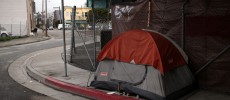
(143, 47)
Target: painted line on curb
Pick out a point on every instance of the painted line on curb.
(68, 87)
(84, 91)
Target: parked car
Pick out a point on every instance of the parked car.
(4, 33)
(51, 28)
(60, 27)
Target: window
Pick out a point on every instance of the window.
(67, 14)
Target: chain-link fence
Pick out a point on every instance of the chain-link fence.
(89, 44)
(13, 29)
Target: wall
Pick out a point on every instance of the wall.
(14, 16)
(80, 13)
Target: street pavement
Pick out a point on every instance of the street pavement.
(47, 67)
(9, 88)
(17, 70)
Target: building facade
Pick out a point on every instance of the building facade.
(56, 18)
(80, 18)
(17, 16)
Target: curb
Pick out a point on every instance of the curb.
(71, 88)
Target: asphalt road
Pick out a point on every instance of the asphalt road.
(11, 90)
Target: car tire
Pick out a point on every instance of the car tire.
(4, 35)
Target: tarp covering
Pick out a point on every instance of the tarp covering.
(145, 48)
(205, 41)
(206, 32)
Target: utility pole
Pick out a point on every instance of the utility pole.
(60, 14)
(42, 16)
(46, 21)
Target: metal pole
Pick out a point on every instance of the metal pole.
(64, 44)
(60, 14)
(85, 32)
(0, 28)
(94, 35)
(85, 47)
(73, 29)
(72, 46)
(11, 29)
(46, 21)
(42, 16)
(20, 28)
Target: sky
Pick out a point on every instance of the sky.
(57, 3)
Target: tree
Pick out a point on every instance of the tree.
(101, 15)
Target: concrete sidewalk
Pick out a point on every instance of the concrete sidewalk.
(40, 37)
(47, 67)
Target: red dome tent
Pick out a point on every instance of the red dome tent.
(145, 63)
(146, 48)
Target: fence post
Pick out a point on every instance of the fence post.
(20, 29)
(94, 35)
(11, 30)
(0, 29)
(72, 46)
(85, 32)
